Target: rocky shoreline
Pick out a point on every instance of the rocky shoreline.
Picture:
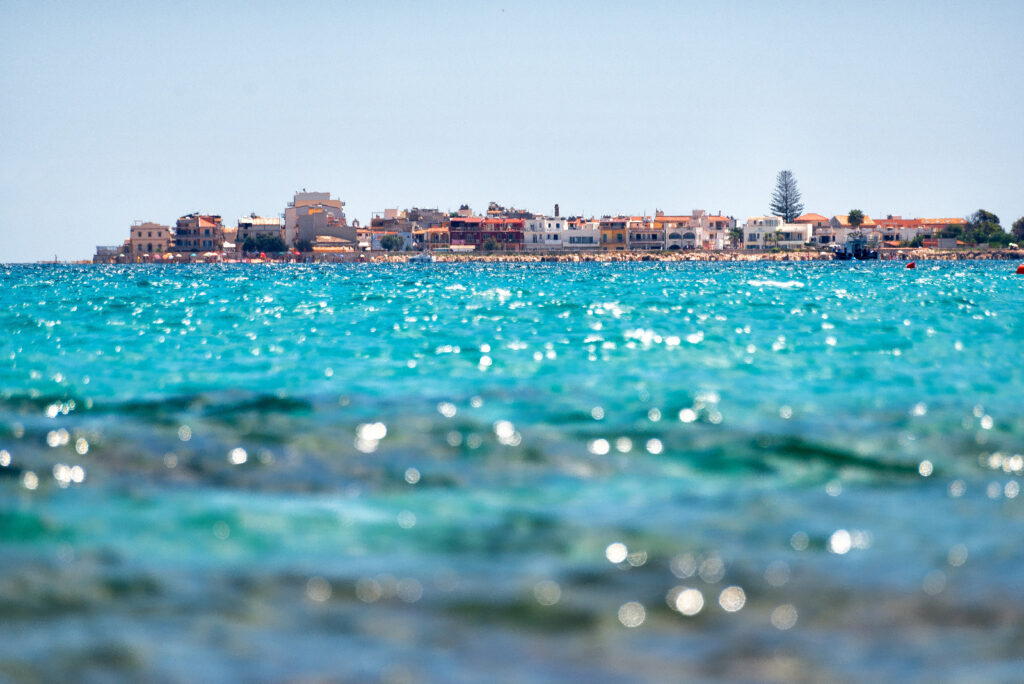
(922, 254)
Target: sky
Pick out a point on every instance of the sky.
(114, 112)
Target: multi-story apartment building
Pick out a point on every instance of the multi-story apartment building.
(821, 233)
(299, 207)
(644, 235)
(678, 230)
(147, 239)
(500, 234)
(765, 232)
(197, 232)
(614, 233)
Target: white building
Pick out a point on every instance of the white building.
(766, 232)
(553, 233)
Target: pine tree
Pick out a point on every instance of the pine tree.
(786, 198)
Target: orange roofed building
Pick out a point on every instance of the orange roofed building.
(199, 233)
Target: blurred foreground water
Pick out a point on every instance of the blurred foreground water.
(757, 472)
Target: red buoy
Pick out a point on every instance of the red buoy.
(1020, 269)
(912, 264)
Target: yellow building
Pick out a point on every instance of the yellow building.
(614, 236)
(147, 241)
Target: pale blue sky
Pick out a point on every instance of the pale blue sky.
(112, 112)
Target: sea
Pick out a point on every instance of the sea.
(756, 472)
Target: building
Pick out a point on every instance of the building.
(841, 229)
(759, 231)
(299, 207)
(613, 233)
(147, 240)
(108, 254)
(197, 232)
(314, 221)
(478, 233)
(253, 226)
(714, 230)
(677, 229)
(544, 232)
(644, 235)
(580, 234)
(821, 232)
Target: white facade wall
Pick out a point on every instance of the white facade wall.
(553, 233)
(755, 229)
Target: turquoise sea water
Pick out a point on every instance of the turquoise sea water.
(654, 472)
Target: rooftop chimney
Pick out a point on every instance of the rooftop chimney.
(556, 211)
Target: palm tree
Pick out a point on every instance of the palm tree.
(736, 237)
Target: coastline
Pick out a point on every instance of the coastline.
(736, 256)
(723, 256)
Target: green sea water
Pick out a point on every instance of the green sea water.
(466, 473)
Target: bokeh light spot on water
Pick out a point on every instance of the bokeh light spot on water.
(784, 617)
(406, 520)
(598, 447)
(834, 488)
(506, 433)
(684, 565)
(685, 600)
(623, 445)
(687, 415)
(82, 446)
(957, 488)
(799, 541)
(318, 589)
(547, 592)
(238, 456)
(597, 413)
(637, 558)
(732, 599)
(5, 458)
(446, 409)
(368, 590)
(29, 480)
(184, 433)
(654, 415)
(369, 435)
(632, 614)
(654, 446)
(712, 569)
(925, 468)
(616, 552)
(409, 590)
(1011, 490)
(840, 542)
(957, 556)
(412, 475)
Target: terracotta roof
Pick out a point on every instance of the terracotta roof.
(845, 221)
(809, 218)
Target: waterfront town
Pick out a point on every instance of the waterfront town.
(314, 227)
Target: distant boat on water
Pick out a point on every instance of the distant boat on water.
(855, 248)
(422, 258)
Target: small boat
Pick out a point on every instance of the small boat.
(422, 258)
(856, 247)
